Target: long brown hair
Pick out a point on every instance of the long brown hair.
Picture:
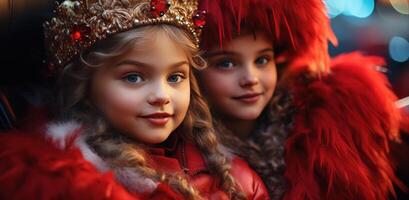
(121, 152)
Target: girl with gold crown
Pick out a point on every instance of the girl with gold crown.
(313, 128)
(128, 120)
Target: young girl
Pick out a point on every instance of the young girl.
(128, 105)
(313, 129)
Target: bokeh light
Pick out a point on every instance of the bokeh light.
(399, 49)
(359, 8)
(356, 8)
(402, 6)
(335, 7)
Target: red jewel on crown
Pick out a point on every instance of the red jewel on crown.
(79, 33)
(76, 35)
(199, 19)
(159, 7)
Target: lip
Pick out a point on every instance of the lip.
(158, 118)
(249, 98)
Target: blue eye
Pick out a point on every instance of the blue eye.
(262, 60)
(133, 78)
(225, 64)
(176, 78)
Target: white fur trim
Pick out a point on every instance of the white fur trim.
(134, 181)
(90, 155)
(59, 132)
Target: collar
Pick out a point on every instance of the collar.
(177, 155)
(167, 148)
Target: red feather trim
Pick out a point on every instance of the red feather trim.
(32, 168)
(405, 121)
(338, 148)
(299, 29)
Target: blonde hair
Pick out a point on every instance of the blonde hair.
(121, 152)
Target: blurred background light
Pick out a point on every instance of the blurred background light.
(402, 6)
(359, 8)
(399, 49)
(355, 8)
(375, 27)
(335, 7)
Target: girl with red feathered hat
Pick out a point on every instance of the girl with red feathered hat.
(311, 126)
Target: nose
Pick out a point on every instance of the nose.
(159, 96)
(249, 76)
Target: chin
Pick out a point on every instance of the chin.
(156, 139)
(247, 115)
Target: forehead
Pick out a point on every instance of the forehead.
(247, 42)
(157, 48)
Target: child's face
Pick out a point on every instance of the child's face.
(145, 93)
(241, 77)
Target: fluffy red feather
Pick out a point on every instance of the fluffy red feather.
(33, 168)
(338, 148)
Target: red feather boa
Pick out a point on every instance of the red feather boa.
(338, 148)
(33, 168)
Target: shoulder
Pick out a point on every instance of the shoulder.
(30, 164)
(251, 183)
(34, 162)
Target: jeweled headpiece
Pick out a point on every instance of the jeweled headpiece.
(78, 24)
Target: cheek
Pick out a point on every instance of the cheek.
(216, 84)
(123, 99)
(181, 99)
(269, 79)
(113, 98)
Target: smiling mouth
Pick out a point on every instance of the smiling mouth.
(249, 98)
(158, 119)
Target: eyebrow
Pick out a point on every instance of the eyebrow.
(266, 50)
(218, 53)
(147, 65)
(232, 53)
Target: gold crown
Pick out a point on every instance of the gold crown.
(78, 24)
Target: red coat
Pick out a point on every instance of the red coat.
(188, 157)
(60, 166)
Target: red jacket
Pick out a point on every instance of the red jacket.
(44, 165)
(188, 159)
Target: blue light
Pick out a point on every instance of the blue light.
(399, 49)
(367, 9)
(359, 8)
(356, 8)
(335, 7)
(352, 7)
